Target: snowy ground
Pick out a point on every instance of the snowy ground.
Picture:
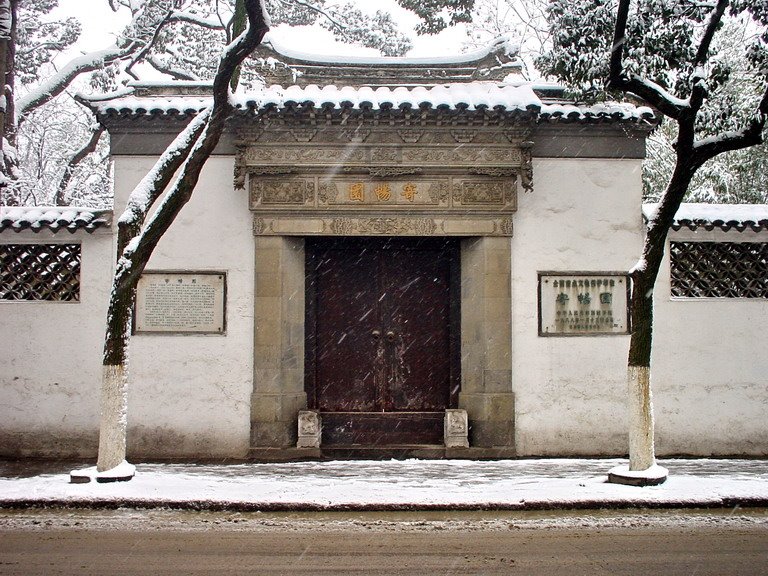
(393, 485)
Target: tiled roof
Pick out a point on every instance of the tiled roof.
(52, 218)
(460, 96)
(739, 217)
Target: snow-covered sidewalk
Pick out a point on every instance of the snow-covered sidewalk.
(393, 485)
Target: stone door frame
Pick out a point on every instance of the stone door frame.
(382, 181)
(279, 340)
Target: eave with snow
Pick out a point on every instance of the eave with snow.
(387, 244)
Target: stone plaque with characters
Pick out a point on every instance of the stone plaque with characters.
(583, 304)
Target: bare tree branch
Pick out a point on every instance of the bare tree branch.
(69, 169)
(619, 39)
(702, 53)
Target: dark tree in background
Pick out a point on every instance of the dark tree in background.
(670, 54)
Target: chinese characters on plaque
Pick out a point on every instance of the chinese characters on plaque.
(372, 192)
(583, 304)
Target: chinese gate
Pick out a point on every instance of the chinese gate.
(382, 338)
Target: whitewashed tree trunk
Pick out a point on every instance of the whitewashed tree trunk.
(114, 421)
(641, 445)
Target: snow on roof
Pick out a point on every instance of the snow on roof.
(710, 216)
(52, 218)
(458, 96)
(503, 44)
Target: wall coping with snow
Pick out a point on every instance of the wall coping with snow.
(738, 217)
(53, 218)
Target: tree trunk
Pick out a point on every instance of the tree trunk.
(188, 153)
(641, 423)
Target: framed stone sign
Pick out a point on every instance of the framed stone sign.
(180, 303)
(583, 303)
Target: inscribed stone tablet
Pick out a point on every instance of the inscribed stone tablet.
(171, 302)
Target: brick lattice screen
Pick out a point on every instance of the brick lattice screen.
(40, 272)
(719, 269)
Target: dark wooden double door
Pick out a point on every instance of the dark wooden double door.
(382, 338)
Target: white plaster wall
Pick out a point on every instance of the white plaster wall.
(709, 369)
(50, 359)
(189, 395)
(570, 392)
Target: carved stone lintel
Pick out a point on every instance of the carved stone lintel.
(456, 429)
(310, 429)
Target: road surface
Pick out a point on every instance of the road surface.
(167, 542)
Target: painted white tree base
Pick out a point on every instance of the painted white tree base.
(120, 473)
(652, 476)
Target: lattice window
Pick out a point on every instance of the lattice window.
(719, 269)
(40, 272)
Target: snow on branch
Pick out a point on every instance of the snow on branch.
(175, 73)
(60, 81)
(196, 20)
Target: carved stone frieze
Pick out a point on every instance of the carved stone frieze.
(463, 136)
(298, 155)
(488, 193)
(259, 226)
(357, 134)
(271, 191)
(388, 172)
(410, 136)
(470, 157)
(498, 172)
(327, 192)
(505, 227)
(385, 155)
(304, 134)
(439, 194)
(381, 225)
